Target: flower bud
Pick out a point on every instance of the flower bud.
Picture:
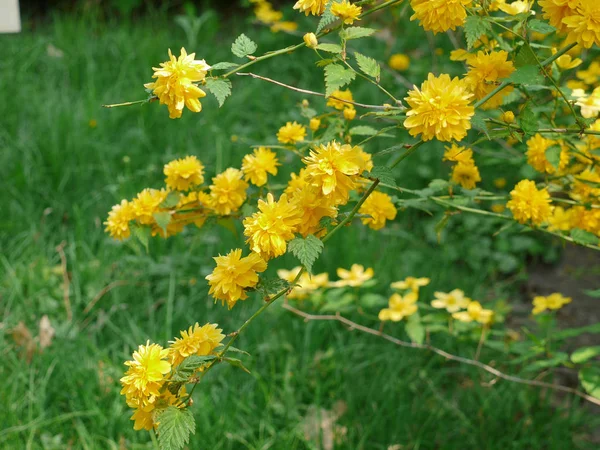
(310, 39)
(314, 124)
(508, 117)
(349, 113)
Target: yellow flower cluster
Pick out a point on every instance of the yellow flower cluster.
(485, 71)
(440, 15)
(346, 11)
(551, 302)
(464, 171)
(529, 204)
(461, 307)
(306, 284)
(579, 19)
(403, 305)
(264, 12)
(145, 383)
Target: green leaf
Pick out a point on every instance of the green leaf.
(174, 427)
(439, 227)
(172, 200)
(223, 66)
(142, 234)
(331, 48)
(243, 46)
(478, 121)
(584, 237)
(220, 88)
(583, 354)
(362, 130)
(356, 32)
(237, 350)
(527, 75)
(270, 286)
(475, 26)
(540, 26)
(525, 57)
(595, 293)
(557, 360)
(574, 332)
(336, 76)
(528, 120)
(438, 185)
(368, 65)
(553, 156)
(236, 363)
(590, 380)
(372, 300)
(229, 224)
(326, 18)
(384, 175)
(415, 329)
(307, 250)
(162, 219)
(188, 366)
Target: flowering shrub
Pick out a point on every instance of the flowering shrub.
(517, 88)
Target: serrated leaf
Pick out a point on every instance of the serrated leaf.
(384, 175)
(237, 350)
(528, 120)
(162, 219)
(590, 380)
(368, 65)
(540, 26)
(478, 121)
(362, 130)
(581, 355)
(174, 427)
(188, 366)
(527, 75)
(525, 57)
(356, 32)
(553, 155)
(584, 237)
(337, 76)
(331, 48)
(307, 250)
(171, 200)
(236, 363)
(415, 329)
(243, 46)
(438, 185)
(223, 66)
(326, 18)
(142, 234)
(220, 88)
(475, 26)
(270, 286)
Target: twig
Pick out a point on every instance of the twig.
(66, 282)
(355, 326)
(103, 292)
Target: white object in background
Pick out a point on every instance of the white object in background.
(10, 21)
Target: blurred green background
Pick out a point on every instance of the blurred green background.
(64, 161)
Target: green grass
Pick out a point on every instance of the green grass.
(59, 178)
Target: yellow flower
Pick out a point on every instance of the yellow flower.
(466, 174)
(233, 275)
(475, 312)
(266, 14)
(291, 133)
(197, 340)
(399, 307)
(337, 97)
(313, 207)
(441, 109)
(286, 25)
(515, 8)
(314, 7)
(346, 11)
(500, 183)
(498, 208)
(314, 124)
(460, 55)
(356, 276)
(556, 10)
(144, 418)
(297, 182)
(367, 161)
(147, 203)
(529, 204)
(305, 285)
(269, 229)
(439, 15)
(331, 168)
(485, 70)
(589, 104)
(146, 373)
(257, 165)
(586, 219)
(174, 85)
(566, 62)
(411, 283)
(117, 224)
(560, 220)
(453, 301)
(455, 153)
(507, 117)
(228, 191)
(583, 26)
(183, 174)
(399, 61)
(553, 301)
(536, 154)
(586, 185)
(310, 39)
(380, 207)
(349, 113)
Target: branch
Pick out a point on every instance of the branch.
(355, 326)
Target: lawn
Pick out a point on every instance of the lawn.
(64, 161)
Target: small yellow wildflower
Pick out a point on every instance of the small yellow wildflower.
(466, 174)
(197, 340)
(346, 11)
(117, 224)
(457, 154)
(399, 61)
(452, 301)
(233, 275)
(355, 277)
(257, 165)
(475, 313)
(553, 301)
(314, 124)
(291, 133)
(485, 71)
(399, 307)
(528, 204)
(566, 62)
(411, 283)
(183, 174)
(174, 85)
(314, 7)
(310, 39)
(380, 207)
(349, 113)
(339, 99)
(228, 191)
(285, 25)
(147, 203)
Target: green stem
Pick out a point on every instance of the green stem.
(406, 154)
(545, 130)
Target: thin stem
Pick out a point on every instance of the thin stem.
(545, 130)
(135, 102)
(406, 154)
(374, 82)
